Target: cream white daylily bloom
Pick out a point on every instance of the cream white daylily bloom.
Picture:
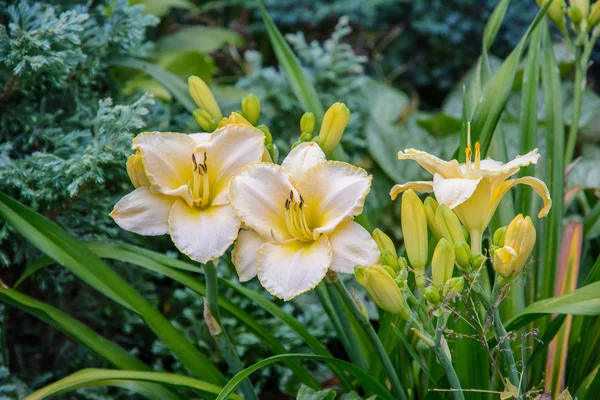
(300, 221)
(473, 189)
(182, 187)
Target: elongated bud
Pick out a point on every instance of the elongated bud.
(582, 5)
(384, 242)
(594, 17)
(432, 295)
(251, 108)
(556, 12)
(359, 274)
(499, 236)
(442, 263)
(431, 207)
(510, 259)
(203, 97)
(575, 15)
(136, 170)
(307, 123)
(205, 120)
(388, 258)
(390, 270)
(463, 256)
(267, 132)
(448, 224)
(335, 121)
(384, 290)
(414, 229)
(234, 119)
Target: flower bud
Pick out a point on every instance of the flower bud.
(463, 256)
(334, 122)
(384, 290)
(136, 170)
(402, 264)
(388, 259)
(203, 97)
(205, 120)
(448, 224)
(477, 260)
(556, 12)
(267, 132)
(251, 108)
(234, 119)
(384, 242)
(594, 17)
(582, 5)
(499, 236)
(454, 287)
(305, 137)
(442, 263)
(493, 248)
(414, 229)
(510, 260)
(575, 15)
(359, 274)
(390, 270)
(430, 209)
(307, 123)
(432, 295)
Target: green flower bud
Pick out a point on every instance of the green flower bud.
(477, 260)
(575, 15)
(463, 256)
(334, 123)
(442, 263)
(430, 209)
(359, 274)
(205, 120)
(402, 264)
(414, 228)
(388, 259)
(499, 236)
(384, 242)
(307, 123)
(454, 285)
(390, 270)
(305, 137)
(267, 132)
(432, 295)
(582, 5)
(203, 97)
(251, 108)
(400, 281)
(493, 248)
(384, 291)
(448, 224)
(556, 12)
(594, 17)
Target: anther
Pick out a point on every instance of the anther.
(194, 161)
(291, 195)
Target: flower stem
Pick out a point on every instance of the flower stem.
(475, 242)
(213, 320)
(446, 363)
(397, 388)
(577, 95)
(503, 339)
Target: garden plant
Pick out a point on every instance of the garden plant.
(306, 232)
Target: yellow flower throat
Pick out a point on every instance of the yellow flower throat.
(295, 219)
(199, 187)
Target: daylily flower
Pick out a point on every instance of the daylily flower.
(182, 187)
(300, 223)
(473, 189)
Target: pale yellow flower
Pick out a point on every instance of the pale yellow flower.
(510, 259)
(300, 223)
(182, 187)
(472, 190)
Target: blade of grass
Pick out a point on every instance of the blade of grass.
(84, 335)
(52, 240)
(106, 377)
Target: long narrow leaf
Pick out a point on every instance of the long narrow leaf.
(81, 333)
(108, 377)
(49, 238)
(368, 382)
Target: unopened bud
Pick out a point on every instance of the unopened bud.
(267, 132)
(384, 290)
(432, 295)
(594, 17)
(477, 260)
(499, 236)
(582, 5)
(448, 224)
(384, 242)
(334, 123)
(136, 170)
(430, 209)
(359, 274)
(205, 120)
(390, 270)
(442, 263)
(556, 12)
(203, 97)
(575, 15)
(251, 108)
(388, 258)
(402, 264)
(510, 260)
(454, 285)
(463, 256)
(493, 249)
(414, 229)
(305, 137)
(307, 123)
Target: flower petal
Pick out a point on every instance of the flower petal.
(258, 196)
(287, 270)
(432, 164)
(302, 158)
(203, 234)
(333, 191)
(144, 212)
(512, 166)
(167, 159)
(417, 186)
(229, 150)
(351, 245)
(244, 254)
(454, 191)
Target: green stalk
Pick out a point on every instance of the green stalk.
(502, 339)
(397, 388)
(446, 363)
(578, 93)
(213, 320)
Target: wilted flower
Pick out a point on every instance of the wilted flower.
(510, 259)
(300, 224)
(182, 187)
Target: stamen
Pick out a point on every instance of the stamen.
(291, 195)
(194, 161)
(468, 157)
(295, 219)
(477, 156)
